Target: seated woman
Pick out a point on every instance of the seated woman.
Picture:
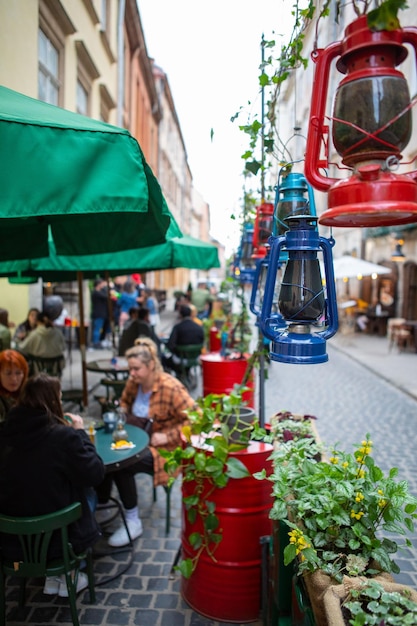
(14, 372)
(5, 334)
(155, 401)
(47, 463)
(23, 329)
(45, 341)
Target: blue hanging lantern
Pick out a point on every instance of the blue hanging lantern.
(292, 200)
(246, 262)
(293, 196)
(302, 301)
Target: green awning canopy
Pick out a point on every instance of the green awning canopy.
(85, 182)
(185, 251)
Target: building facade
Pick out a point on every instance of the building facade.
(90, 56)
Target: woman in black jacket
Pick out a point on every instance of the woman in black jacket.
(47, 463)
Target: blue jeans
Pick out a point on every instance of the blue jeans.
(98, 325)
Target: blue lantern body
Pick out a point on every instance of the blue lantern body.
(246, 263)
(292, 200)
(302, 303)
(293, 196)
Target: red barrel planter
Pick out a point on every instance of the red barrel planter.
(220, 374)
(229, 587)
(215, 342)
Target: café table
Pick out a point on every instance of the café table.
(116, 368)
(115, 460)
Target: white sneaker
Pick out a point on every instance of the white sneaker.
(105, 515)
(119, 537)
(82, 583)
(51, 586)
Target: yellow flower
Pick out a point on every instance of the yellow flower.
(359, 497)
(382, 503)
(355, 515)
(345, 464)
(334, 460)
(359, 459)
(186, 431)
(381, 493)
(361, 473)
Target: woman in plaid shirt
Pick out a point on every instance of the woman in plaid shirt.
(155, 401)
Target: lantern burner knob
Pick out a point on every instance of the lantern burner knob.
(369, 172)
(299, 329)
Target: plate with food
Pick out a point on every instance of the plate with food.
(122, 445)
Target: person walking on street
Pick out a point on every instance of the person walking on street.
(202, 300)
(99, 312)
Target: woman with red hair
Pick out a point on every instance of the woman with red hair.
(13, 376)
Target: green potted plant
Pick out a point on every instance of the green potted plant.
(218, 427)
(339, 512)
(370, 603)
(286, 426)
(225, 510)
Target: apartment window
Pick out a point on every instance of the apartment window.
(53, 29)
(48, 74)
(87, 73)
(104, 17)
(82, 99)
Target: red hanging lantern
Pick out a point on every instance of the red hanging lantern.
(262, 229)
(371, 125)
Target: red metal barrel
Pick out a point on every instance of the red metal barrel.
(220, 374)
(214, 339)
(229, 588)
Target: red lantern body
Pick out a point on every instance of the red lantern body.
(371, 125)
(262, 229)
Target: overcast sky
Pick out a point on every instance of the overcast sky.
(211, 52)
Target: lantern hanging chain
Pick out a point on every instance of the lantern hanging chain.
(263, 123)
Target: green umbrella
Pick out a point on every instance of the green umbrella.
(183, 251)
(84, 181)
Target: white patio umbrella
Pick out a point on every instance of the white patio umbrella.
(348, 266)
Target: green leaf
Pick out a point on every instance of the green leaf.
(385, 16)
(289, 553)
(200, 461)
(236, 469)
(211, 522)
(195, 540)
(253, 166)
(186, 568)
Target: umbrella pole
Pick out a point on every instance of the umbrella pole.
(83, 350)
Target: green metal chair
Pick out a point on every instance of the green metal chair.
(186, 370)
(53, 366)
(34, 535)
(167, 490)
